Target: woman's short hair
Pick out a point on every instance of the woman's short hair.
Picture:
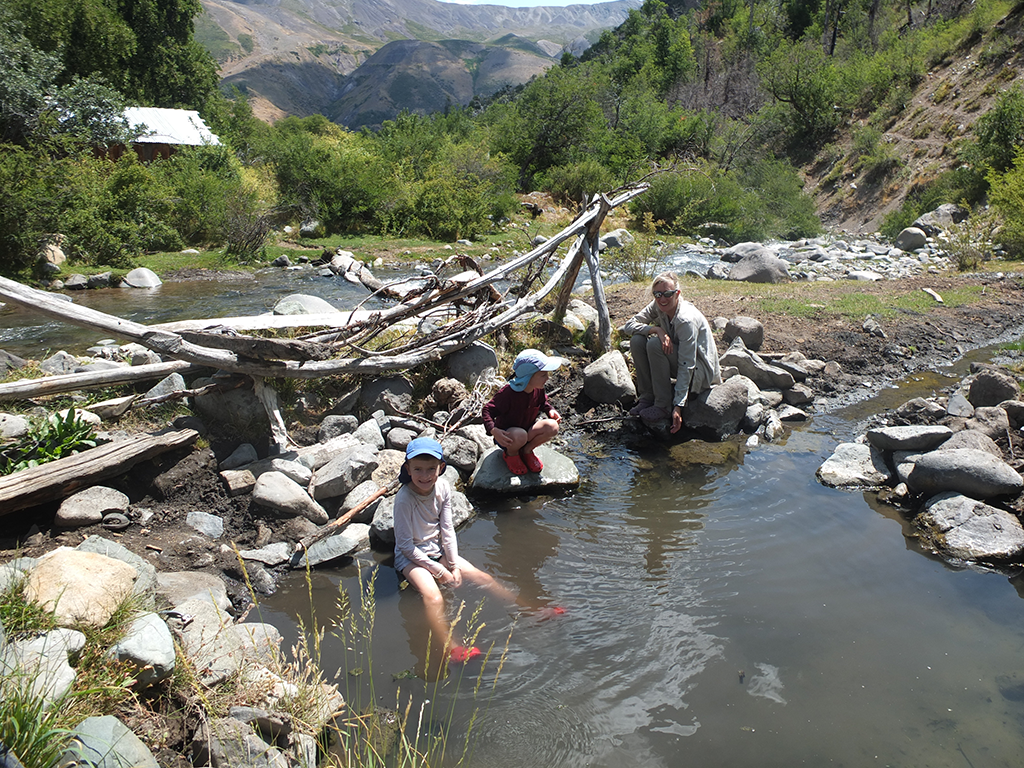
(666, 277)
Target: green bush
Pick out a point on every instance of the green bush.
(759, 201)
(569, 183)
(27, 210)
(1000, 131)
(1007, 197)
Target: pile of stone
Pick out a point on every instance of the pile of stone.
(756, 396)
(939, 459)
(187, 611)
(922, 248)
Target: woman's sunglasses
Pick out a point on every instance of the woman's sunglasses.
(665, 294)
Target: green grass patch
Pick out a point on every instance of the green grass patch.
(855, 303)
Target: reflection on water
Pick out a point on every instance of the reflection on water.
(733, 615)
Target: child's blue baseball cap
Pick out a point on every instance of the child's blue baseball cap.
(527, 363)
(424, 446)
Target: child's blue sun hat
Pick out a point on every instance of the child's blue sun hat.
(424, 446)
(527, 363)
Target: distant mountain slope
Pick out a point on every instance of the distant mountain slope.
(293, 56)
(426, 77)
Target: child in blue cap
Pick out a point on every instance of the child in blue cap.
(426, 549)
(511, 416)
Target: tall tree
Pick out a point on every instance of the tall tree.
(144, 48)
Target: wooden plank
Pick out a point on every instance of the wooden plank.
(62, 477)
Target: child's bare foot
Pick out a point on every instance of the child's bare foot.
(515, 464)
(460, 654)
(531, 461)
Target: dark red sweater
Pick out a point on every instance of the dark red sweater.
(509, 408)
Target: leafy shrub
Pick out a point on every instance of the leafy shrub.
(759, 201)
(1007, 197)
(641, 259)
(569, 183)
(960, 184)
(1000, 131)
(48, 440)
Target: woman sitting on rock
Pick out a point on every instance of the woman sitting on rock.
(670, 338)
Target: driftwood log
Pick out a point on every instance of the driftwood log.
(355, 358)
(60, 478)
(72, 382)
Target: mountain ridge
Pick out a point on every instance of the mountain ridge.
(299, 57)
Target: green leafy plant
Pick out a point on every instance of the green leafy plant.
(48, 440)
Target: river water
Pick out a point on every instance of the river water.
(734, 615)
(731, 615)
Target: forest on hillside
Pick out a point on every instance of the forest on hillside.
(721, 103)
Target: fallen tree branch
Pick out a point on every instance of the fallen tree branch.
(72, 382)
(330, 528)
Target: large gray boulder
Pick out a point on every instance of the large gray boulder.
(88, 506)
(141, 277)
(469, 364)
(492, 476)
(963, 528)
(909, 438)
(991, 387)
(973, 473)
(79, 587)
(972, 438)
(749, 329)
(145, 580)
(989, 420)
(854, 465)
(42, 663)
(280, 493)
(750, 364)
(302, 304)
(344, 472)
(216, 647)
(607, 379)
(460, 452)
(941, 219)
(224, 742)
(355, 537)
(760, 268)
(718, 411)
(911, 238)
(12, 426)
(148, 647)
(106, 742)
(740, 251)
(177, 587)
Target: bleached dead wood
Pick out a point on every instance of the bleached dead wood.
(62, 477)
(72, 382)
(267, 395)
(604, 323)
(360, 360)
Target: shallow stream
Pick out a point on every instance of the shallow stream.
(737, 615)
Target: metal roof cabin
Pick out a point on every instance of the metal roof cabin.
(165, 130)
